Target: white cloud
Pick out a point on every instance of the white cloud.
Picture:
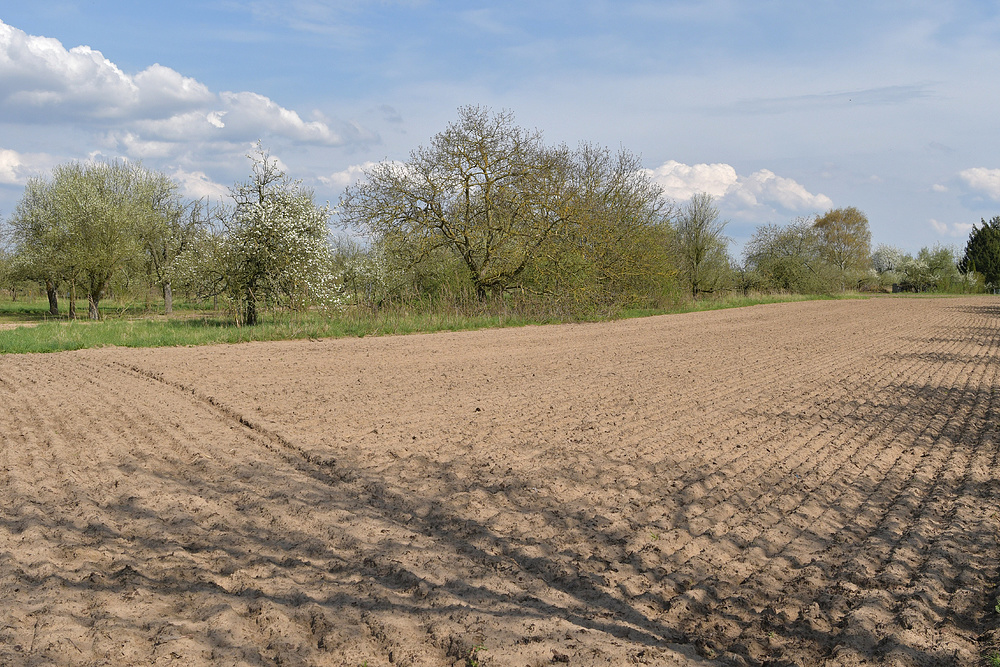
(955, 229)
(985, 181)
(680, 181)
(163, 88)
(42, 81)
(135, 146)
(342, 179)
(16, 168)
(937, 187)
(197, 184)
(183, 127)
(247, 111)
(40, 76)
(761, 188)
(765, 187)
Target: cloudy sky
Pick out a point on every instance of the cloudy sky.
(778, 108)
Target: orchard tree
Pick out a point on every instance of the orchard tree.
(484, 189)
(104, 206)
(701, 245)
(84, 224)
(275, 250)
(169, 234)
(39, 239)
(846, 243)
(788, 258)
(8, 274)
(982, 252)
(887, 258)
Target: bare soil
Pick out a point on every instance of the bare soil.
(796, 484)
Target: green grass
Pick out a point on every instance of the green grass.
(735, 301)
(207, 328)
(132, 325)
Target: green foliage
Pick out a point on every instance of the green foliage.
(273, 252)
(932, 270)
(473, 658)
(489, 203)
(701, 247)
(846, 244)
(789, 259)
(830, 253)
(84, 226)
(982, 252)
(168, 236)
(484, 189)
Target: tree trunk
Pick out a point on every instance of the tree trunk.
(250, 314)
(50, 290)
(168, 299)
(92, 300)
(481, 292)
(72, 300)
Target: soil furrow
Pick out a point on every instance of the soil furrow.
(808, 484)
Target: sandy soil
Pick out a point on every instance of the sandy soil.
(798, 484)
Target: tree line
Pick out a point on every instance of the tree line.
(486, 212)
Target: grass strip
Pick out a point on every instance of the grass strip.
(210, 328)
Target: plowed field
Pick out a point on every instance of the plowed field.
(797, 484)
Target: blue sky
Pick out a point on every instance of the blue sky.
(778, 108)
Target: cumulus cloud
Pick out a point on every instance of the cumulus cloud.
(347, 177)
(197, 185)
(680, 181)
(16, 168)
(248, 111)
(955, 229)
(42, 81)
(762, 188)
(765, 187)
(982, 180)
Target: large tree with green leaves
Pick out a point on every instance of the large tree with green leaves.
(702, 246)
(484, 189)
(84, 225)
(514, 212)
(39, 239)
(789, 258)
(846, 243)
(105, 208)
(982, 252)
(616, 245)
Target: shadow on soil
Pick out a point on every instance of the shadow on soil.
(909, 568)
